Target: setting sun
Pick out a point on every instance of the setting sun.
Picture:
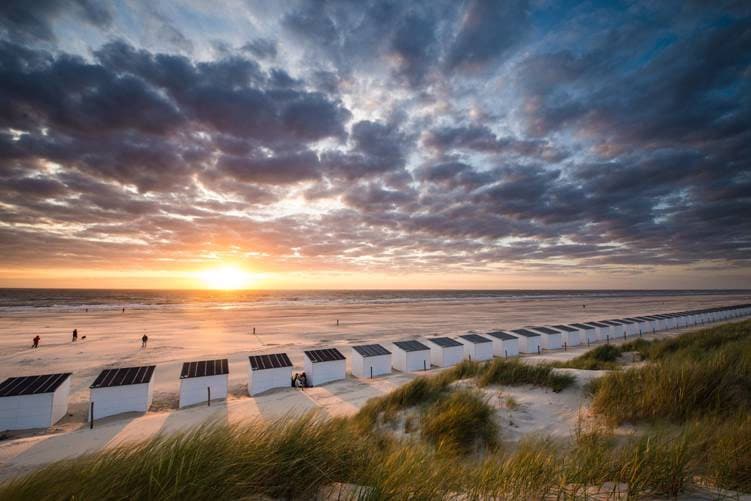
(225, 278)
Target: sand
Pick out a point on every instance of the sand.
(113, 339)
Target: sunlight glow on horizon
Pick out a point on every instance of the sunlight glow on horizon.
(226, 277)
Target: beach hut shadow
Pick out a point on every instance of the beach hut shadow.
(83, 441)
(194, 416)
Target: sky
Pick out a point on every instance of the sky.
(375, 144)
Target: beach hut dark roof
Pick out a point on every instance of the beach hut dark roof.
(545, 330)
(32, 385)
(324, 355)
(610, 322)
(525, 333)
(583, 326)
(371, 350)
(475, 338)
(566, 328)
(444, 342)
(503, 336)
(270, 361)
(124, 376)
(205, 368)
(625, 321)
(411, 345)
(635, 320)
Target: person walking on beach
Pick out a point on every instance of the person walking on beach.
(294, 380)
(302, 381)
(75, 335)
(144, 340)
(35, 341)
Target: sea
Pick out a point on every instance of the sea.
(72, 300)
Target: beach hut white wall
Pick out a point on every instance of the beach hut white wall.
(324, 366)
(618, 328)
(504, 344)
(265, 372)
(630, 327)
(201, 379)
(569, 335)
(529, 342)
(649, 325)
(445, 352)
(587, 333)
(551, 338)
(409, 356)
(128, 389)
(370, 360)
(33, 401)
(637, 326)
(604, 329)
(476, 347)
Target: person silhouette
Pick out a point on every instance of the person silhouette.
(144, 340)
(35, 341)
(75, 335)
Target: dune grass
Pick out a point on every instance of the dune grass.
(302, 457)
(515, 372)
(461, 422)
(707, 374)
(425, 390)
(600, 358)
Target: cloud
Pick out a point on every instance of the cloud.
(488, 31)
(30, 21)
(360, 136)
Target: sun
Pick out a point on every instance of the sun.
(225, 278)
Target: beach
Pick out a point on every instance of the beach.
(195, 332)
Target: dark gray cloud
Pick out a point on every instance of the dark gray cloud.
(489, 29)
(32, 20)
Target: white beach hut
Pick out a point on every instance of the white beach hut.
(551, 338)
(203, 381)
(445, 352)
(608, 329)
(648, 323)
(324, 366)
(569, 335)
(588, 333)
(476, 347)
(666, 323)
(33, 401)
(410, 356)
(272, 370)
(629, 328)
(504, 344)
(529, 342)
(640, 325)
(127, 389)
(619, 328)
(370, 360)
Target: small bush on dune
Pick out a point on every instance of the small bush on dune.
(602, 357)
(460, 423)
(514, 372)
